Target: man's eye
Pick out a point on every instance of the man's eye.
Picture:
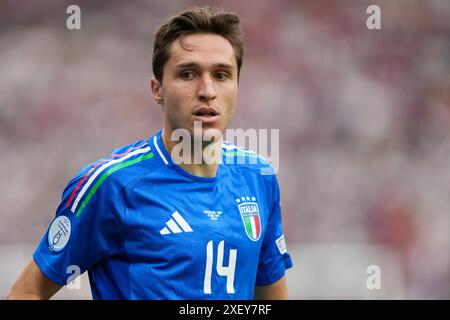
(221, 76)
(187, 75)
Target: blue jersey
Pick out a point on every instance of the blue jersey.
(144, 228)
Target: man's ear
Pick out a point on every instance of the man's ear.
(155, 86)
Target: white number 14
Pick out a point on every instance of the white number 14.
(221, 270)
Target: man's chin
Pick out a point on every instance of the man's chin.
(208, 135)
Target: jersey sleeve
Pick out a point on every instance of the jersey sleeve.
(274, 258)
(86, 229)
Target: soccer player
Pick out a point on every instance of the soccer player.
(145, 227)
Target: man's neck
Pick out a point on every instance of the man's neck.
(197, 169)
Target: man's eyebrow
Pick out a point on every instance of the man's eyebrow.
(223, 66)
(187, 65)
(196, 65)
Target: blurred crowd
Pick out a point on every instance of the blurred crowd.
(364, 115)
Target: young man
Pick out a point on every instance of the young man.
(145, 227)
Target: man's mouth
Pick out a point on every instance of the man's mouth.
(206, 114)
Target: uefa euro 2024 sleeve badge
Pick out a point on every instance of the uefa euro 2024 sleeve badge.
(249, 210)
(59, 233)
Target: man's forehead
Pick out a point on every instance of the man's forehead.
(202, 49)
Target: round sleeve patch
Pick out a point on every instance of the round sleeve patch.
(59, 233)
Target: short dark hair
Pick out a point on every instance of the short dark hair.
(198, 20)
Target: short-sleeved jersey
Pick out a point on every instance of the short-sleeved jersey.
(144, 228)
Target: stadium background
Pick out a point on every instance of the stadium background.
(364, 119)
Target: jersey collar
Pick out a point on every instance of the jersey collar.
(164, 156)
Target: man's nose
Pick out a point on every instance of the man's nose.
(206, 90)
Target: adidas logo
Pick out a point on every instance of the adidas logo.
(176, 227)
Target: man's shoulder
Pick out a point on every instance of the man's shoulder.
(243, 159)
(100, 181)
(120, 167)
